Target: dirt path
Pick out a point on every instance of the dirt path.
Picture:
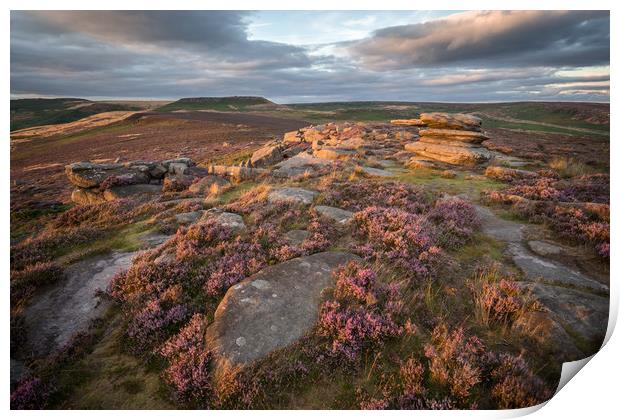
(577, 302)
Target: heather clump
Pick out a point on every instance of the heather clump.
(31, 394)
(153, 323)
(576, 208)
(498, 299)
(455, 371)
(407, 240)
(453, 360)
(146, 280)
(44, 246)
(515, 385)
(188, 370)
(456, 221)
(361, 316)
(26, 282)
(356, 196)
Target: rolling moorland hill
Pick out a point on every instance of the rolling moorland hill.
(35, 112)
(225, 103)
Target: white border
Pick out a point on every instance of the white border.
(591, 395)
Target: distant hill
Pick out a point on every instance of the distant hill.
(224, 103)
(34, 112)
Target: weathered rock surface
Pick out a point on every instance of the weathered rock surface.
(301, 163)
(271, 309)
(412, 122)
(583, 313)
(417, 162)
(451, 121)
(291, 195)
(547, 331)
(339, 215)
(237, 172)
(89, 175)
(267, 156)
(87, 196)
(189, 217)
(450, 154)
(474, 137)
(296, 236)
(67, 308)
(536, 268)
(230, 220)
(114, 193)
(123, 179)
(333, 153)
(545, 248)
(382, 173)
(577, 311)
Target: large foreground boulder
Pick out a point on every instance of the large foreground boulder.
(271, 309)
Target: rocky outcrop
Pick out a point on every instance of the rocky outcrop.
(96, 182)
(271, 309)
(451, 138)
(416, 122)
(238, 173)
(451, 121)
(267, 155)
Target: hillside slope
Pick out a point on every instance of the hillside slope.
(225, 103)
(27, 113)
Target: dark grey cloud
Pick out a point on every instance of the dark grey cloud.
(493, 38)
(179, 54)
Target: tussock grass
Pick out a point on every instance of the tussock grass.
(569, 167)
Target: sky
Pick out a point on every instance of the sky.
(313, 56)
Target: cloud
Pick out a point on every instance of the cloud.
(219, 37)
(495, 38)
(180, 54)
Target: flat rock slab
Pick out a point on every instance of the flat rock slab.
(455, 135)
(545, 248)
(296, 236)
(230, 220)
(537, 268)
(332, 153)
(498, 228)
(583, 313)
(271, 309)
(292, 195)
(451, 121)
(189, 217)
(382, 173)
(67, 308)
(339, 215)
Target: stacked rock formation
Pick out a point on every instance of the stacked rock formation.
(449, 138)
(99, 182)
